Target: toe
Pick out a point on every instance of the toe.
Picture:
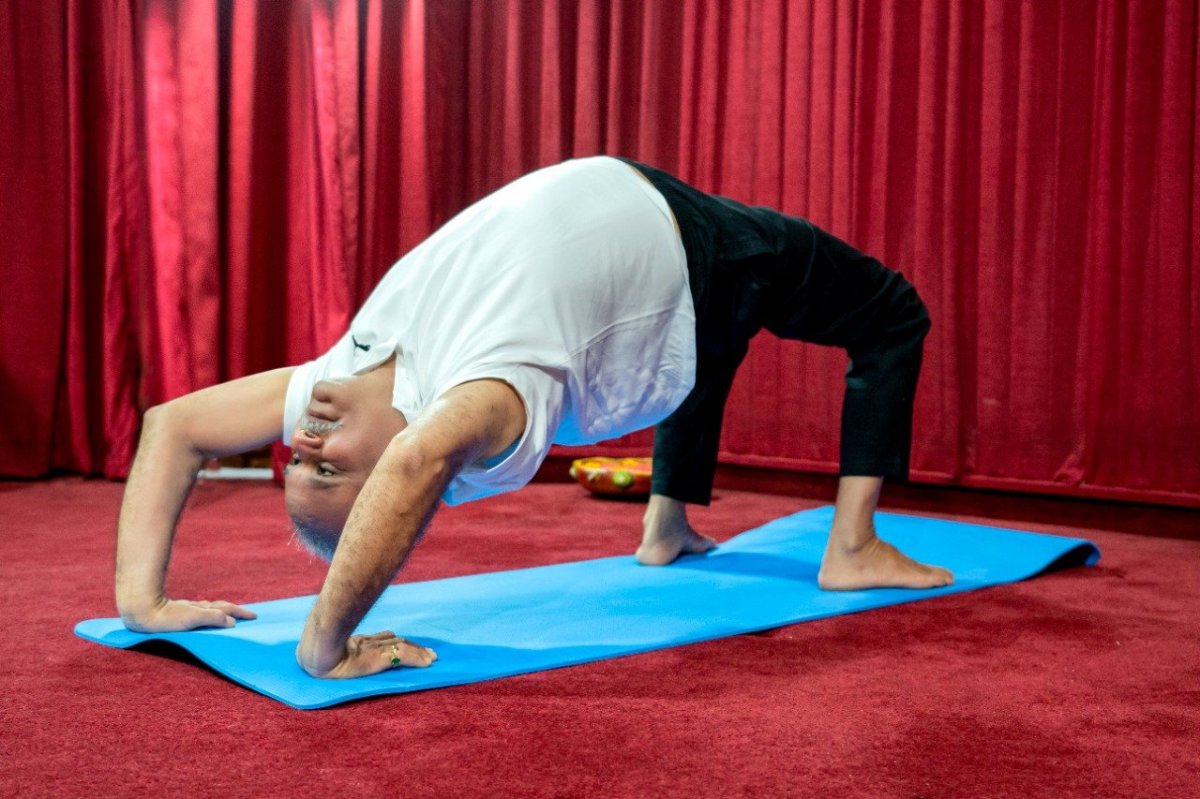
(697, 543)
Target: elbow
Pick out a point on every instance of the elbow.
(157, 422)
(411, 460)
(156, 416)
(161, 417)
(168, 425)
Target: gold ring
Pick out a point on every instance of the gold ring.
(395, 656)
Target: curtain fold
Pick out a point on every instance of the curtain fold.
(34, 215)
(195, 190)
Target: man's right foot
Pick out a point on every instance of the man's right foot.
(877, 564)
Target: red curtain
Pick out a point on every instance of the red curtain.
(194, 190)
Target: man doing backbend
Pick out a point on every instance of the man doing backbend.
(579, 303)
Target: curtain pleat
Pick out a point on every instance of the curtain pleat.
(256, 168)
(195, 190)
(96, 393)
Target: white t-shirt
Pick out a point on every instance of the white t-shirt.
(570, 284)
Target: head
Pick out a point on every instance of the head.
(336, 444)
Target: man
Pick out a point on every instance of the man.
(579, 303)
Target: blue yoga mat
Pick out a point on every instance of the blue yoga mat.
(486, 626)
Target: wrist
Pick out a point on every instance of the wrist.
(133, 605)
(315, 657)
(313, 662)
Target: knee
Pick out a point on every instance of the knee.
(910, 316)
(898, 333)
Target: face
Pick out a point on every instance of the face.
(347, 426)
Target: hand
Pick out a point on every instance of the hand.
(173, 615)
(371, 654)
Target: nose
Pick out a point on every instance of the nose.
(307, 443)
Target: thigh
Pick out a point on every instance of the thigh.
(832, 293)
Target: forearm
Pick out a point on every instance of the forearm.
(161, 478)
(387, 519)
(176, 438)
(474, 420)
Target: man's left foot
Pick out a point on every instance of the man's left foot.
(876, 564)
(662, 544)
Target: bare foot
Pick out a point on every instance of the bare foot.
(661, 550)
(667, 534)
(876, 564)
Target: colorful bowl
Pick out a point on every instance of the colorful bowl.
(626, 477)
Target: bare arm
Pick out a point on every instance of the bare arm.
(177, 438)
(472, 421)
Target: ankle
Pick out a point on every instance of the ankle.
(663, 511)
(851, 541)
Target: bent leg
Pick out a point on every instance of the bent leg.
(852, 301)
(685, 460)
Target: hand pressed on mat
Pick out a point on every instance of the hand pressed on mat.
(371, 654)
(175, 615)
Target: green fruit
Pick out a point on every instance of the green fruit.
(622, 479)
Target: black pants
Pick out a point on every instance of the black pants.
(752, 268)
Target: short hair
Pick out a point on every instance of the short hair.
(315, 537)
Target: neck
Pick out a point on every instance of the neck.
(381, 379)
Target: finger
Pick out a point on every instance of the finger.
(414, 655)
(210, 611)
(237, 611)
(386, 635)
(377, 654)
(211, 617)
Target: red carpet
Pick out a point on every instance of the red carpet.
(1082, 683)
